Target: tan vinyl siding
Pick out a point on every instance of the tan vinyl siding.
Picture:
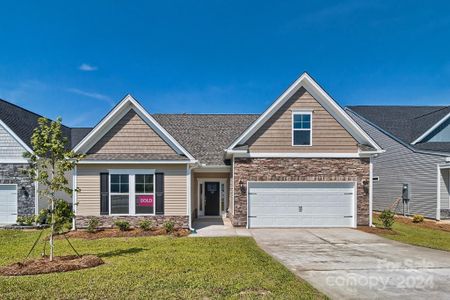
(131, 134)
(327, 134)
(175, 187)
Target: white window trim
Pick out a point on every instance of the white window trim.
(201, 197)
(131, 190)
(294, 113)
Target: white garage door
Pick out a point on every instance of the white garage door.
(294, 204)
(8, 203)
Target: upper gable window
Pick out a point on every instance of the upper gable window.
(301, 129)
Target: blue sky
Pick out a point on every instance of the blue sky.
(77, 59)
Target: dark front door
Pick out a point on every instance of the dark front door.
(212, 199)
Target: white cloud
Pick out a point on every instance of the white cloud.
(87, 67)
(93, 95)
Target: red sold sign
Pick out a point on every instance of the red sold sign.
(145, 200)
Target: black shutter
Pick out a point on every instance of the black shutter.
(104, 193)
(159, 192)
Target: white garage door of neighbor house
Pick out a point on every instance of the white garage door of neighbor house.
(300, 204)
(8, 203)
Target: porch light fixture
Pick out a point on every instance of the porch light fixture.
(242, 186)
(365, 186)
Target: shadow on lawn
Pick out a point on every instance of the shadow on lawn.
(121, 252)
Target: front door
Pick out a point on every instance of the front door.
(212, 198)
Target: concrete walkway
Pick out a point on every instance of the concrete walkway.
(350, 264)
(217, 227)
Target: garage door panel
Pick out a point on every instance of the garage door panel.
(293, 204)
(8, 204)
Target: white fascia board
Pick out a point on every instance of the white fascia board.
(14, 161)
(116, 114)
(212, 169)
(14, 135)
(303, 155)
(323, 98)
(111, 162)
(426, 133)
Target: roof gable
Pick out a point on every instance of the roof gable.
(118, 113)
(410, 124)
(314, 89)
(131, 135)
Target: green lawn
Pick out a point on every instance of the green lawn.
(155, 267)
(415, 235)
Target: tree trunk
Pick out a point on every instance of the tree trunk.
(52, 231)
(52, 245)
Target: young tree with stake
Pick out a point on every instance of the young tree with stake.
(50, 161)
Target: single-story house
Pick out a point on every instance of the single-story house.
(416, 140)
(303, 162)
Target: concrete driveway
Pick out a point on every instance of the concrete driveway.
(350, 264)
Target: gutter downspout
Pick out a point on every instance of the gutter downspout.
(438, 204)
(371, 192)
(189, 194)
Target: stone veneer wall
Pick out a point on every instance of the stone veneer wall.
(158, 221)
(299, 169)
(14, 174)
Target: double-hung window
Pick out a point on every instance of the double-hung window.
(132, 192)
(301, 129)
(144, 196)
(120, 194)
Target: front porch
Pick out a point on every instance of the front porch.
(216, 227)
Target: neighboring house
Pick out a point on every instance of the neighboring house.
(304, 162)
(417, 144)
(18, 193)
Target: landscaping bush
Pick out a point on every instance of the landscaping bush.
(43, 217)
(418, 219)
(93, 224)
(63, 214)
(169, 226)
(25, 220)
(387, 217)
(123, 225)
(145, 225)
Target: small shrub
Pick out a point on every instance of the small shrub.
(93, 224)
(145, 225)
(123, 225)
(418, 219)
(43, 217)
(63, 214)
(25, 220)
(169, 226)
(387, 217)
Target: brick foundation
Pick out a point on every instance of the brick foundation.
(158, 221)
(299, 169)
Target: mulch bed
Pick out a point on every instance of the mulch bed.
(45, 266)
(116, 233)
(430, 224)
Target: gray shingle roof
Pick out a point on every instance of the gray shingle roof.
(22, 121)
(77, 134)
(407, 123)
(205, 136)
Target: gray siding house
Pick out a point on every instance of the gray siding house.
(416, 140)
(18, 193)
